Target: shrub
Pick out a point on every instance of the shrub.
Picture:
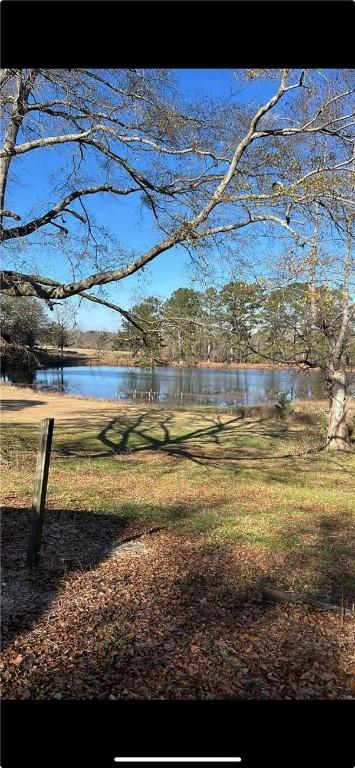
(283, 404)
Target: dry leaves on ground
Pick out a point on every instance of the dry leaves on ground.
(167, 617)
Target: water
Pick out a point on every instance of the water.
(244, 386)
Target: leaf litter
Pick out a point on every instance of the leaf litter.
(163, 616)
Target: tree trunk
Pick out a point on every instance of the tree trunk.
(338, 432)
(181, 348)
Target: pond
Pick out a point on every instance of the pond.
(243, 386)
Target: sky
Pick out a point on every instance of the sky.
(168, 271)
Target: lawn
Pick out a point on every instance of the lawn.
(162, 528)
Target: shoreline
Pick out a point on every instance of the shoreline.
(18, 399)
(110, 359)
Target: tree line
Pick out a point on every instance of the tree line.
(242, 322)
(239, 323)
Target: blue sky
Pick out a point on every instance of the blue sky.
(168, 271)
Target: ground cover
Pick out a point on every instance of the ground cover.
(162, 527)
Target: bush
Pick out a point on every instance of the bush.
(323, 424)
(283, 404)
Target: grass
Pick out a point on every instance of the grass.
(219, 476)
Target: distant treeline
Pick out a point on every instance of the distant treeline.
(240, 323)
(98, 340)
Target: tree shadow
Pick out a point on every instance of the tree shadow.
(18, 405)
(185, 444)
(331, 556)
(73, 540)
(120, 436)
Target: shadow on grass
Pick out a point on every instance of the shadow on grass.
(18, 405)
(120, 436)
(232, 440)
(135, 437)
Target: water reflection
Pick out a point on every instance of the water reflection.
(201, 385)
(26, 376)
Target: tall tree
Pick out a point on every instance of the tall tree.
(182, 319)
(23, 322)
(144, 338)
(241, 304)
(212, 330)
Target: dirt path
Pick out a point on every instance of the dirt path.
(22, 404)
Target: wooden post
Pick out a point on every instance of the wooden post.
(39, 491)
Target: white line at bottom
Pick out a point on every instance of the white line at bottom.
(178, 759)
